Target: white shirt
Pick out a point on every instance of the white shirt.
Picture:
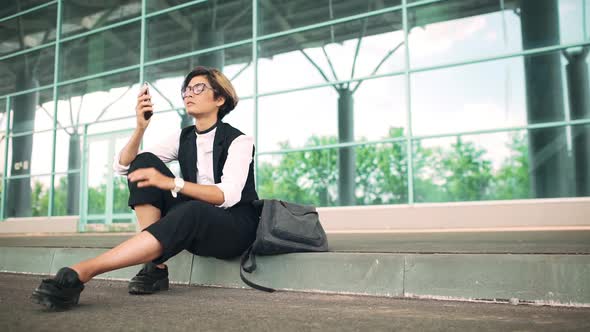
(235, 170)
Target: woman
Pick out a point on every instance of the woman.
(207, 212)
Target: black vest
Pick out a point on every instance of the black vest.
(224, 136)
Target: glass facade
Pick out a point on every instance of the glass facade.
(350, 102)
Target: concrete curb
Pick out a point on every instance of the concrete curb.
(511, 278)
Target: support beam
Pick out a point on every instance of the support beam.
(549, 173)
(346, 156)
(579, 101)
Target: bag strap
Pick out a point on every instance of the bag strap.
(248, 255)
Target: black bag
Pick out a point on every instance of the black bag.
(283, 228)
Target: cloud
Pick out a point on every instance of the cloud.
(441, 37)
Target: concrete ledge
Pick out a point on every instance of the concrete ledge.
(530, 214)
(66, 224)
(517, 215)
(541, 279)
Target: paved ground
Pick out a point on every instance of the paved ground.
(522, 242)
(106, 306)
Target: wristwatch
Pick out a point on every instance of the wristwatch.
(178, 185)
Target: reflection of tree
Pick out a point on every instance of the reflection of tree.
(512, 181)
(457, 173)
(96, 198)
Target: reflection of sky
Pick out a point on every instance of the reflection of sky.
(473, 97)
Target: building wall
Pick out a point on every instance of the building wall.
(351, 102)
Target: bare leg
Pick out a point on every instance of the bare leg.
(147, 214)
(141, 248)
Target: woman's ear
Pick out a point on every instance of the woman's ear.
(220, 101)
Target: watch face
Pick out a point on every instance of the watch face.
(179, 183)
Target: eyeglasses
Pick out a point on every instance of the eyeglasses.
(196, 89)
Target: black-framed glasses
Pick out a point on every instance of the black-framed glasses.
(196, 89)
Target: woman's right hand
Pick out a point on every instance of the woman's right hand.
(144, 104)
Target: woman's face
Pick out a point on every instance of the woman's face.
(203, 103)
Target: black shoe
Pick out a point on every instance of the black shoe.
(61, 292)
(149, 280)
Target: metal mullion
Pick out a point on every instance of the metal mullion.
(533, 51)
(99, 75)
(29, 132)
(422, 69)
(55, 103)
(554, 124)
(330, 22)
(24, 92)
(27, 50)
(83, 183)
(423, 137)
(409, 143)
(101, 29)
(255, 92)
(422, 3)
(4, 180)
(41, 174)
(198, 52)
(443, 66)
(122, 215)
(142, 42)
(334, 146)
(173, 8)
(243, 42)
(332, 83)
(27, 11)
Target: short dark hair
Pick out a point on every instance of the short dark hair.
(221, 85)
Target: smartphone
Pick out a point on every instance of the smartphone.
(147, 115)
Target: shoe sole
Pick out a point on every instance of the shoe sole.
(142, 289)
(53, 302)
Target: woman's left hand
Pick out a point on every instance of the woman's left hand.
(151, 177)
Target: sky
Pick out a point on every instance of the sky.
(466, 98)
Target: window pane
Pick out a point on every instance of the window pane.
(280, 15)
(2, 114)
(166, 78)
(471, 168)
(242, 117)
(378, 110)
(302, 177)
(10, 7)
(68, 149)
(291, 120)
(204, 25)
(29, 30)
(298, 59)
(27, 197)
(79, 18)
(455, 30)
(161, 125)
(571, 20)
(459, 99)
(32, 111)
(507, 165)
(121, 196)
(379, 175)
(98, 168)
(104, 51)
(515, 91)
(30, 154)
(102, 98)
(581, 159)
(66, 195)
(27, 71)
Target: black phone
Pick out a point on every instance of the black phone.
(147, 115)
